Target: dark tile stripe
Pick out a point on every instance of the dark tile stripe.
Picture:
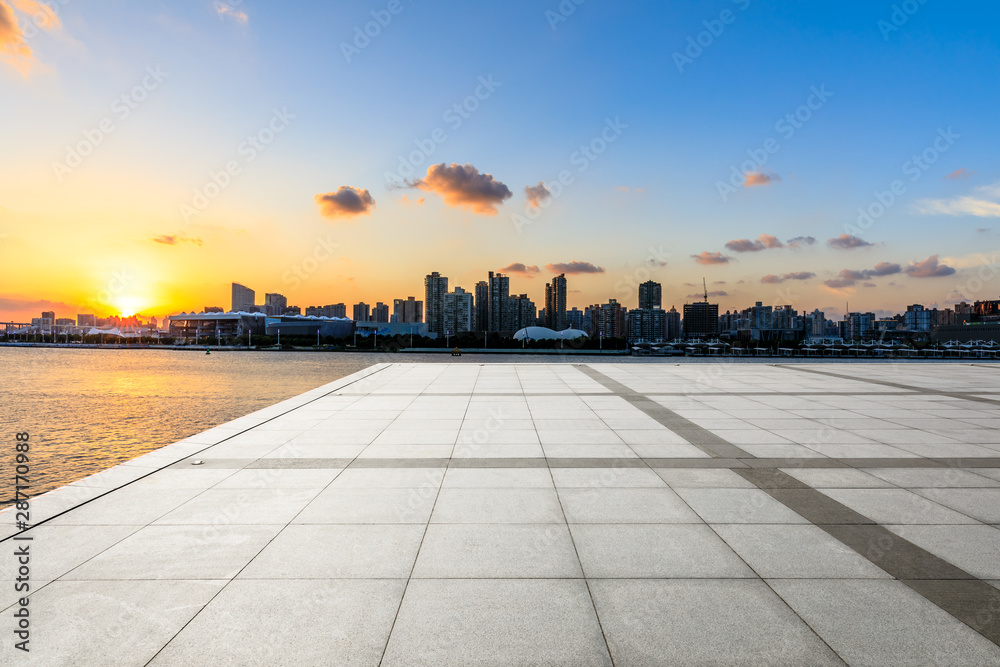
(965, 396)
(701, 438)
(975, 603)
(970, 600)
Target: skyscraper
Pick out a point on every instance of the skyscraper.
(380, 313)
(482, 306)
(555, 303)
(361, 312)
(458, 311)
(673, 324)
(274, 304)
(650, 294)
(701, 320)
(435, 287)
(522, 312)
(499, 293)
(243, 298)
(408, 310)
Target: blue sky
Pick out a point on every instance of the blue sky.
(893, 82)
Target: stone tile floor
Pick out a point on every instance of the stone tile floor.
(550, 514)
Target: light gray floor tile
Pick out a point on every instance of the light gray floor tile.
(879, 622)
(497, 505)
(334, 622)
(980, 504)
(178, 552)
(389, 478)
(933, 477)
(796, 552)
(606, 477)
(106, 622)
(279, 478)
(241, 506)
(494, 551)
(369, 506)
(129, 505)
(836, 478)
(496, 622)
(591, 451)
(695, 478)
(972, 548)
(336, 551)
(625, 506)
(478, 478)
(738, 506)
(896, 506)
(655, 551)
(710, 622)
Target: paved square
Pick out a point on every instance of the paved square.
(546, 514)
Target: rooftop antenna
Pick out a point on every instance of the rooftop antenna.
(705, 286)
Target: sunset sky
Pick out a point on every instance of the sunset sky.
(155, 152)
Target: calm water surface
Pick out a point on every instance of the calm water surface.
(88, 410)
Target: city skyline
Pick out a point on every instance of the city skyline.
(816, 173)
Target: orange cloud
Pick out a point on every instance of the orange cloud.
(708, 258)
(14, 50)
(758, 178)
(346, 202)
(462, 186)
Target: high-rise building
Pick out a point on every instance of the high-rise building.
(817, 324)
(333, 310)
(435, 287)
(380, 313)
(574, 319)
(275, 304)
(459, 311)
(673, 324)
(408, 310)
(647, 325)
(607, 320)
(362, 312)
(86, 320)
(701, 320)
(918, 318)
(243, 298)
(555, 303)
(482, 306)
(650, 294)
(522, 312)
(499, 311)
(858, 325)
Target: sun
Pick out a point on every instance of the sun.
(128, 305)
